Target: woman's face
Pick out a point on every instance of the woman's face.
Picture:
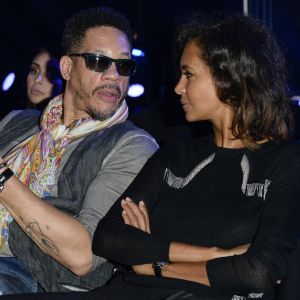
(38, 86)
(196, 87)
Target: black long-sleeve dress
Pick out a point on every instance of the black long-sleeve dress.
(201, 194)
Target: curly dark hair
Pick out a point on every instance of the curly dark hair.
(248, 69)
(77, 25)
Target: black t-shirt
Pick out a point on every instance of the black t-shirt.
(201, 194)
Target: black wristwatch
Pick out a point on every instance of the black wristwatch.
(157, 266)
(4, 176)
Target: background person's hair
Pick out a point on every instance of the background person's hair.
(77, 25)
(248, 70)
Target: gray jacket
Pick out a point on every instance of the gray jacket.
(80, 192)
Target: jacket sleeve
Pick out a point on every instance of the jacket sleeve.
(125, 244)
(118, 170)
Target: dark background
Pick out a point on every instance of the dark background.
(25, 26)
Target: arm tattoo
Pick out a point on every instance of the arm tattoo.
(33, 230)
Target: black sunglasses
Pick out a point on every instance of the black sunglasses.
(100, 63)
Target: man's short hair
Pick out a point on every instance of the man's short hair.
(78, 24)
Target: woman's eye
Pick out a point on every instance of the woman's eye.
(187, 74)
(34, 72)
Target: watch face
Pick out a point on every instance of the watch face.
(157, 267)
(161, 263)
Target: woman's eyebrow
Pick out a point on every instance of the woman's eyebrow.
(36, 64)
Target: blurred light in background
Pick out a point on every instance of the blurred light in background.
(296, 99)
(137, 52)
(8, 81)
(136, 90)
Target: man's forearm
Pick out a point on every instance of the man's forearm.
(57, 234)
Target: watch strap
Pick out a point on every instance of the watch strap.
(3, 164)
(4, 176)
(157, 267)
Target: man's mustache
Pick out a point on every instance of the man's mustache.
(107, 86)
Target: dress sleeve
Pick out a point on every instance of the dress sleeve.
(267, 258)
(125, 244)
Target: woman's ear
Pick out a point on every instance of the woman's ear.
(66, 65)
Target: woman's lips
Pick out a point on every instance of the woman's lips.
(36, 92)
(184, 104)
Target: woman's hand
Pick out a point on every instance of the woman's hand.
(188, 256)
(135, 215)
(181, 252)
(234, 251)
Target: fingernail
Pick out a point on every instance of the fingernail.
(123, 201)
(123, 212)
(142, 203)
(128, 199)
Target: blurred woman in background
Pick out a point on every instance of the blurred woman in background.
(44, 80)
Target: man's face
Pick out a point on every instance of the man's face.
(99, 94)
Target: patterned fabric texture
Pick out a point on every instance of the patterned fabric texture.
(35, 160)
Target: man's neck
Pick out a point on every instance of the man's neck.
(70, 111)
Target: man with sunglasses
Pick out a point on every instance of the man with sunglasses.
(60, 175)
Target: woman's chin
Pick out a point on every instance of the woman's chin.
(191, 118)
(36, 100)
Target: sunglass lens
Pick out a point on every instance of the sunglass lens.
(98, 63)
(126, 68)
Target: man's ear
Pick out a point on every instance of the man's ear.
(66, 65)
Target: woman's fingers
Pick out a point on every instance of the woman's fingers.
(239, 250)
(135, 214)
(138, 213)
(126, 219)
(232, 251)
(242, 249)
(144, 210)
(128, 212)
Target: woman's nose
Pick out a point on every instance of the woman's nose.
(39, 78)
(180, 87)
